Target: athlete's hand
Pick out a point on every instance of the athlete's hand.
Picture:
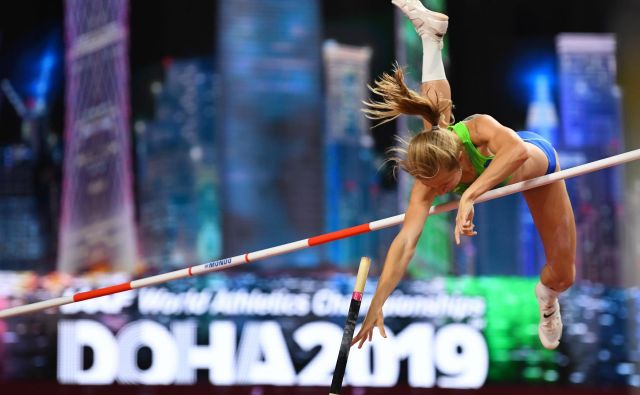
(464, 220)
(371, 321)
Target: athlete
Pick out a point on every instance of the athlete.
(468, 158)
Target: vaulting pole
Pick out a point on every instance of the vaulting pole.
(226, 263)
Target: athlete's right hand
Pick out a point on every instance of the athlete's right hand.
(464, 220)
(371, 321)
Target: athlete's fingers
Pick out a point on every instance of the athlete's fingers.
(362, 340)
(380, 326)
(356, 338)
(382, 331)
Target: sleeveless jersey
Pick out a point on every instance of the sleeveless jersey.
(478, 161)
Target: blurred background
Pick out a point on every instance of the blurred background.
(139, 137)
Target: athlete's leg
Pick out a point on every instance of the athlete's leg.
(553, 216)
(431, 26)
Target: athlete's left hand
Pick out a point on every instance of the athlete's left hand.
(464, 220)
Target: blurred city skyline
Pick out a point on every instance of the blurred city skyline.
(529, 47)
(161, 30)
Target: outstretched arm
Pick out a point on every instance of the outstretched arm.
(400, 253)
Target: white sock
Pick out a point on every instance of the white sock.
(547, 294)
(432, 65)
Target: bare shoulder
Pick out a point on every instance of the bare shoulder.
(483, 128)
(472, 117)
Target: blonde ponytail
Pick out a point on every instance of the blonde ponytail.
(398, 99)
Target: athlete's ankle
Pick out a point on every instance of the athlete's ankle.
(546, 294)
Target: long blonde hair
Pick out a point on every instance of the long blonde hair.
(431, 149)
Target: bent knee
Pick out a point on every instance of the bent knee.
(562, 274)
(565, 282)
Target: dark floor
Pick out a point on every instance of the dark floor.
(27, 388)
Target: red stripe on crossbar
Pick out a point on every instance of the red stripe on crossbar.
(190, 272)
(101, 292)
(339, 234)
(246, 258)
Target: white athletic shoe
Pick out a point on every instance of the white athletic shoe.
(426, 22)
(550, 327)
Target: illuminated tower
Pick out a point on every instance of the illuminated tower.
(590, 113)
(270, 127)
(542, 118)
(350, 174)
(97, 225)
(176, 173)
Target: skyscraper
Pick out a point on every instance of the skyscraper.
(590, 120)
(270, 126)
(177, 174)
(350, 173)
(542, 118)
(97, 224)
(23, 243)
(29, 188)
